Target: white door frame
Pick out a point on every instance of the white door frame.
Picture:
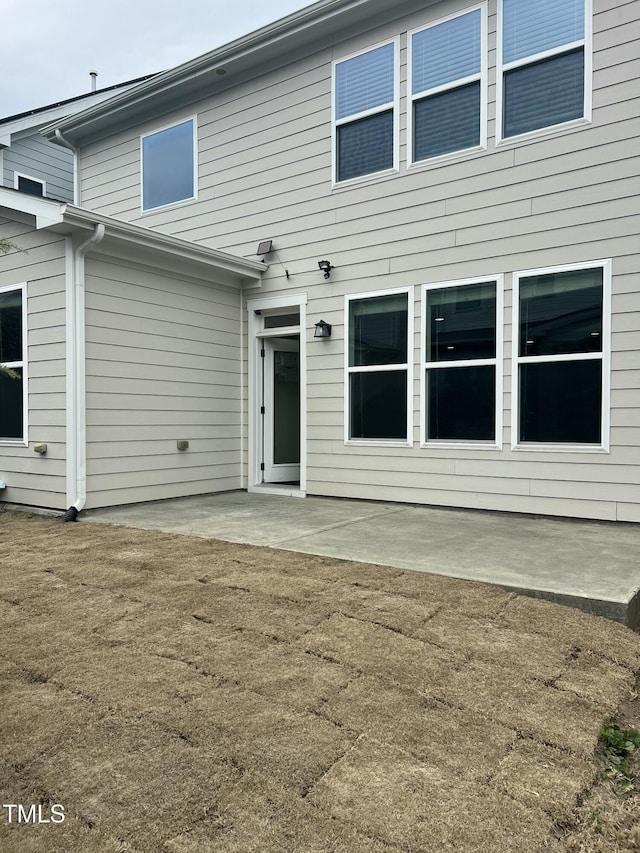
(276, 472)
(257, 333)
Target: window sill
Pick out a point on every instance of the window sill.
(560, 448)
(160, 209)
(19, 442)
(460, 445)
(376, 442)
(364, 179)
(434, 162)
(543, 132)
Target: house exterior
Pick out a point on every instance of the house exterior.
(32, 164)
(451, 187)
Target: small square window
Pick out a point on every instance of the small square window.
(169, 166)
(31, 186)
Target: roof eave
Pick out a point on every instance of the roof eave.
(139, 244)
(235, 269)
(293, 28)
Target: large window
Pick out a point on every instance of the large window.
(447, 83)
(462, 381)
(169, 165)
(561, 352)
(546, 59)
(378, 367)
(365, 113)
(13, 363)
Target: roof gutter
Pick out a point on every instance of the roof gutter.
(76, 158)
(76, 375)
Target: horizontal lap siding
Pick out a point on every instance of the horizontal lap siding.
(163, 364)
(566, 197)
(31, 478)
(37, 158)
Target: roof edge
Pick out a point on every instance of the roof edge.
(283, 28)
(138, 235)
(64, 218)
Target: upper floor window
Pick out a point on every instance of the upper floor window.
(365, 113)
(169, 165)
(25, 184)
(13, 361)
(447, 84)
(561, 355)
(545, 64)
(379, 367)
(462, 380)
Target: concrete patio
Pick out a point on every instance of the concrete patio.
(591, 565)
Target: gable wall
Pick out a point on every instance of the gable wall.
(162, 364)
(33, 479)
(37, 158)
(565, 197)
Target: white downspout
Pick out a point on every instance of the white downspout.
(76, 380)
(76, 170)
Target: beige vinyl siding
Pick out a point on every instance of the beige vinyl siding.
(33, 479)
(555, 199)
(163, 364)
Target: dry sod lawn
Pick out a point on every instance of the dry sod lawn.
(178, 694)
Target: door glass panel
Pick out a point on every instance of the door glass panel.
(286, 407)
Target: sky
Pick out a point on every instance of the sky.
(48, 47)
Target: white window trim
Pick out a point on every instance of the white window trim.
(479, 362)
(24, 441)
(18, 175)
(586, 42)
(145, 211)
(375, 368)
(482, 77)
(604, 357)
(394, 105)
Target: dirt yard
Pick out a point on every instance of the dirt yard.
(167, 693)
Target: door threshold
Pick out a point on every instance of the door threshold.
(285, 489)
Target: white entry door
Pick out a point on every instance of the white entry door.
(280, 410)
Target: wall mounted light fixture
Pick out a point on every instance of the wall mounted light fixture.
(322, 330)
(264, 247)
(326, 268)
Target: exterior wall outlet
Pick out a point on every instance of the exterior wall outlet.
(182, 444)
